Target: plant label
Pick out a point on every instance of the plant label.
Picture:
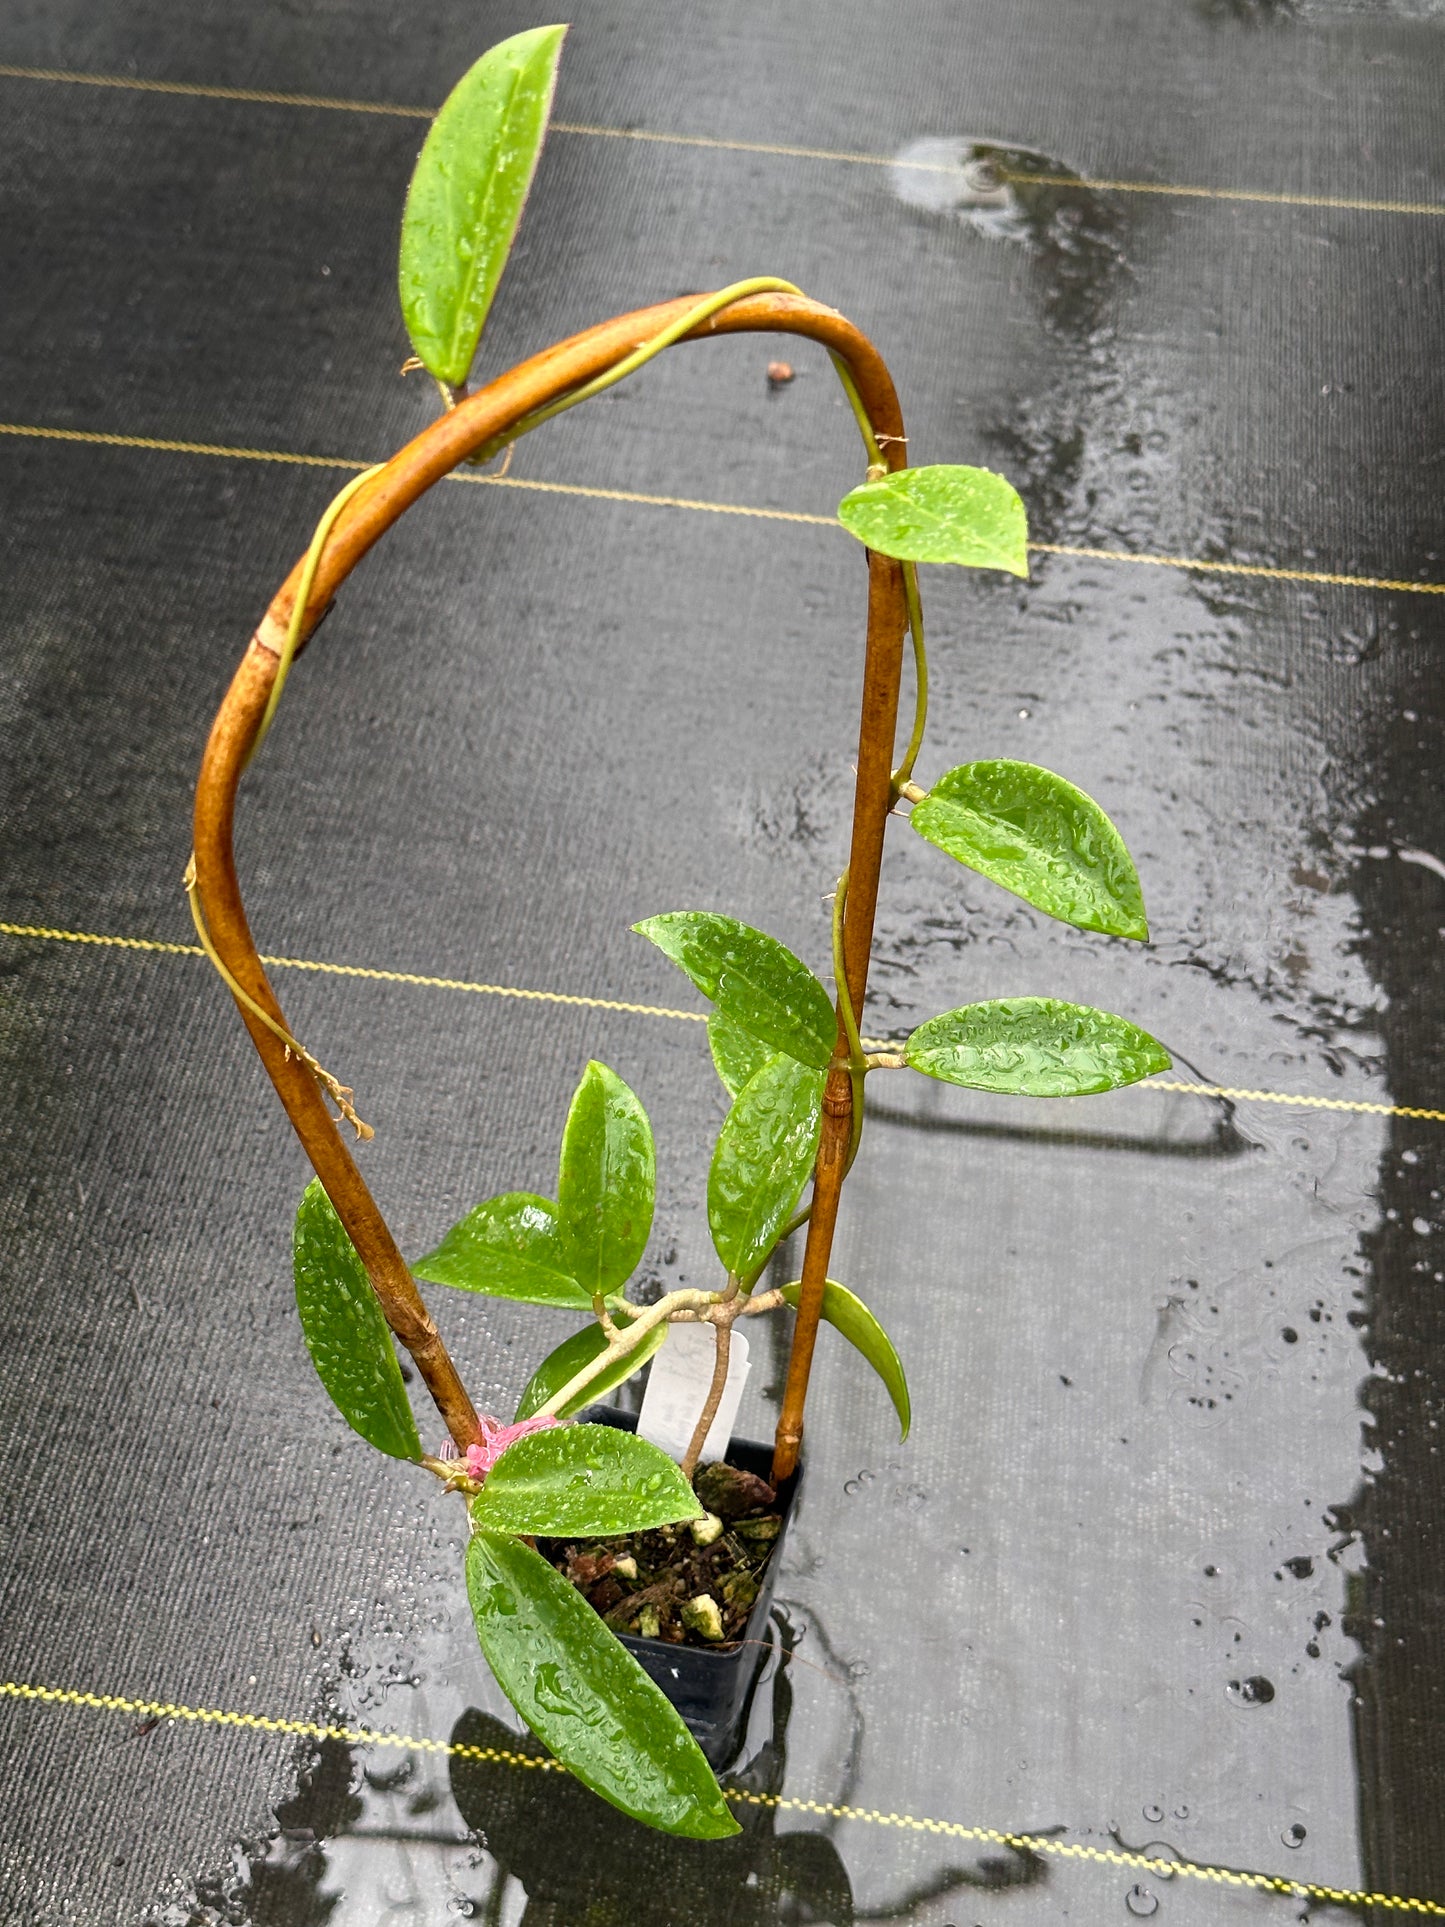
(677, 1389)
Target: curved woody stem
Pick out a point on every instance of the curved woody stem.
(492, 416)
(872, 803)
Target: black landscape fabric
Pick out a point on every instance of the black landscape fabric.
(1160, 1568)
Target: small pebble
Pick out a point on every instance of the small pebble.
(701, 1615)
(625, 1568)
(648, 1623)
(760, 1531)
(730, 1492)
(707, 1529)
(780, 373)
(584, 1568)
(739, 1589)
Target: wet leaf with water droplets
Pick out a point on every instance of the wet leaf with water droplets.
(736, 1054)
(606, 1182)
(559, 1367)
(852, 1318)
(1034, 1047)
(946, 513)
(507, 1247)
(1040, 837)
(584, 1695)
(764, 1154)
(346, 1333)
(587, 1481)
(467, 194)
(753, 979)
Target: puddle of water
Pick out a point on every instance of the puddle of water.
(1073, 234)
(375, 1839)
(1249, 13)
(1267, 13)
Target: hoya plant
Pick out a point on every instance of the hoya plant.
(785, 1040)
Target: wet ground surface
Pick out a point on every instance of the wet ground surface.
(1160, 1566)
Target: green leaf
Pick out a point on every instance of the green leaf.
(941, 514)
(467, 193)
(346, 1333)
(736, 1054)
(851, 1317)
(583, 1481)
(585, 1696)
(1034, 1047)
(559, 1367)
(606, 1183)
(1029, 830)
(508, 1247)
(764, 1154)
(753, 979)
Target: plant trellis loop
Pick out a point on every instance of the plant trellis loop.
(492, 412)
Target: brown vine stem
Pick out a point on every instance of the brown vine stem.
(474, 421)
(722, 1353)
(872, 801)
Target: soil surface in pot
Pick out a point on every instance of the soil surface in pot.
(690, 1585)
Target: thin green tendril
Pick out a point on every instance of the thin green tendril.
(860, 413)
(904, 771)
(704, 311)
(303, 596)
(857, 1068)
(341, 1093)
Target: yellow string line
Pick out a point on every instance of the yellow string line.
(1309, 1103)
(128, 83)
(1230, 194)
(845, 156)
(950, 1829)
(650, 501)
(359, 970)
(160, 445)
(1195, 564)
(96, 438)
(1200, 566)
(659, 1010)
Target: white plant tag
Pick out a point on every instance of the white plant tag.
(677, 1389)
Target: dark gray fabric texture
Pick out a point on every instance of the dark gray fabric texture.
(1161, 1564)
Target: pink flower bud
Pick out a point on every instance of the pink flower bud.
(495, 1439)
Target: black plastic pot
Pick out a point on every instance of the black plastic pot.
(713, 1689)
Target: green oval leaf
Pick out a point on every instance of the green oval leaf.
(583, 1481)
(851, 1317)
(763, 1157)
(346, 1333)
(736, 1054)
(1034, 1047)
(467, 194)
(606, 1182)
(942, 514)
(753, 979)
(1029, 830)
(585, 1696)
(559, 1367)
(508, 1247)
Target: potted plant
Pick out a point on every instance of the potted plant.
(543, 1488)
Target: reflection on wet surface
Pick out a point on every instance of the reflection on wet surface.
(1182, 1126)
(1249, 13)
(367, 1840)
(1111, 1587)
(1395, 1521)
(1072, 235)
